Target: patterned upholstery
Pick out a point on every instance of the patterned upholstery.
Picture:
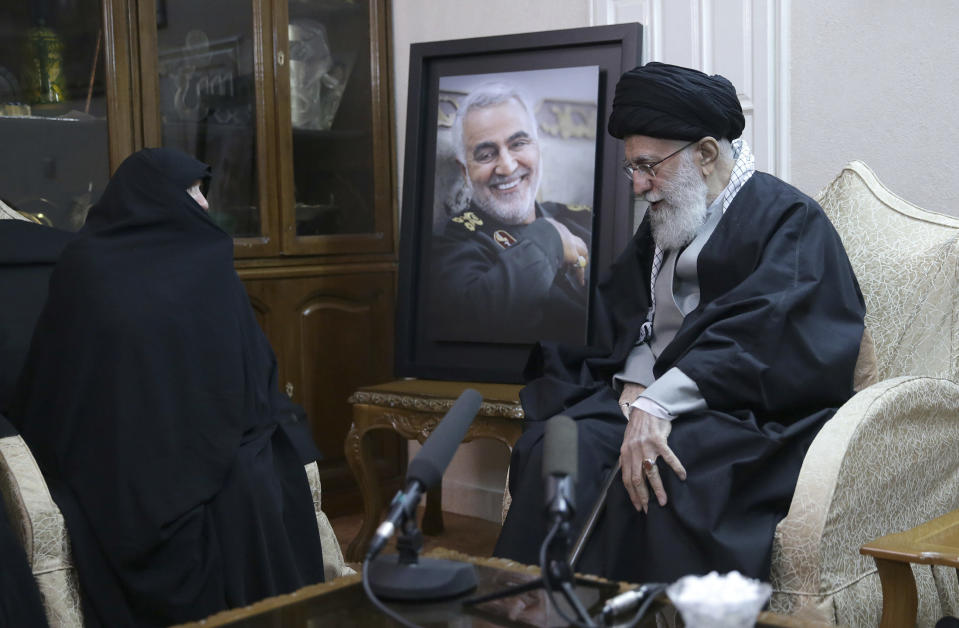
(39, 524)
(889, 459)
(333, 564)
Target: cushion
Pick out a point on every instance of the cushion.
(906, 260)
(9, 213)
(866, 373)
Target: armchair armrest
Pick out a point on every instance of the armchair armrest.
(333, 564)
(40, 527)
(886, 461)
(935, 542)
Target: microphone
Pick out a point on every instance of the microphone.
(409, 577)
(559, 467)
(560, 446)
(426, 470)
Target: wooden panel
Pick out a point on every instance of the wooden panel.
(344, 329)
(119, 45)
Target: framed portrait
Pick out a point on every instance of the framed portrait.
(513, 205)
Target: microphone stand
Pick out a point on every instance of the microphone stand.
(561, 573)
(556, 573)
(409, 577)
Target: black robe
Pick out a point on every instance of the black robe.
(28, 253)
(771, 346)
(150, 400)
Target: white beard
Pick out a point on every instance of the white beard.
(682, 211)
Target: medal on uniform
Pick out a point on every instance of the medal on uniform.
(504, 238)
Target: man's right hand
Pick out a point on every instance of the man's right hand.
(645, 439)
(574, 250)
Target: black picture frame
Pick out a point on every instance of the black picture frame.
(614, 49)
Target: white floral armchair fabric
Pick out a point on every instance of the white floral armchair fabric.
(37, 520)
(889, 459)
(38, 523)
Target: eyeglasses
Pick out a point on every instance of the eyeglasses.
(649, 169)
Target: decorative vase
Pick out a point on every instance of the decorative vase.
(43, 76)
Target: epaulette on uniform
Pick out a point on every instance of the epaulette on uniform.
(468, 220)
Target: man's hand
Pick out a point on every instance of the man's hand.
(575, 252)
(644, 442)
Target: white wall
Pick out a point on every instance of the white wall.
(473, 483)
(877, 80)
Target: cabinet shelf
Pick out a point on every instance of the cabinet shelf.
(330, 134)
(54, 119)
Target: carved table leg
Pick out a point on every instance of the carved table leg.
(361, 462)
(899, 599)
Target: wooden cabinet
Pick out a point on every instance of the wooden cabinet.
(66, 106)
(289, 102)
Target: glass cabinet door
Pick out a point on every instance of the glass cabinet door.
(54, 150)
(336, 193)
(206, 69)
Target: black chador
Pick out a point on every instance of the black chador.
(149, 398)
(771, 346)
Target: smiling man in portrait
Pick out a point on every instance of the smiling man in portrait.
(508, 268)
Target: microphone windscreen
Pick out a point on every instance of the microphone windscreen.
(430, 462)
(560, 447)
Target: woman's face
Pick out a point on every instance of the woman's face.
(197, 195)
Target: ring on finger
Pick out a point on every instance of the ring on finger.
(649, 465)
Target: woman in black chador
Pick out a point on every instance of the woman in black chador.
(149, 398)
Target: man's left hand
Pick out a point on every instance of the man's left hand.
(644, 442)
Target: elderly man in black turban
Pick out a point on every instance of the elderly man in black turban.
(724, 336)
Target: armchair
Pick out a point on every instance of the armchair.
(39, 525)
(889, 459)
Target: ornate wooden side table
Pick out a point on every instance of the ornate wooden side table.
(412, 408)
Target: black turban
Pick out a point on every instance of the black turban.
(676, 103)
